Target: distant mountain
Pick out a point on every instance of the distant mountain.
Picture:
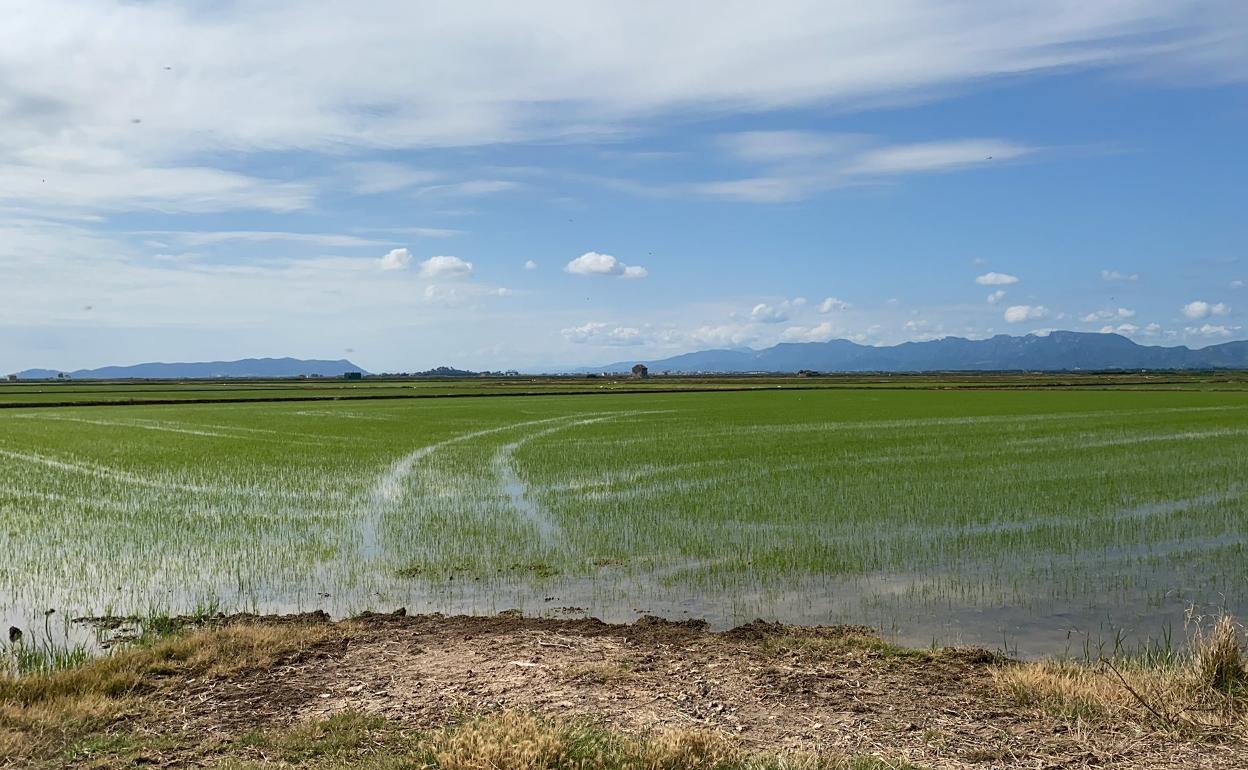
(248, 367)
(1056, 351)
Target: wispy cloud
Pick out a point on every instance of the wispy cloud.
(206, 237)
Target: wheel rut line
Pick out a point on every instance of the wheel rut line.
(517, 491)
(390, 487)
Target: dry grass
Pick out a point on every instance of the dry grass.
(1203, 696)
(600, 673)
(520, 741)
(512, 740)
(40, 713)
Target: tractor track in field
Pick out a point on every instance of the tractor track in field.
(391, 486)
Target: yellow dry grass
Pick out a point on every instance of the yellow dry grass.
(40, 712)
(1203, 696)
(523, 741)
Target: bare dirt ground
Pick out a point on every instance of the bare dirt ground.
(770, 686)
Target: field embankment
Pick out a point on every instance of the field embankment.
(509, 692)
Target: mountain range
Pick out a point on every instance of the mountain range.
(248, 367)
(1055, 351)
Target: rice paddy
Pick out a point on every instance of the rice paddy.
(1039, 520)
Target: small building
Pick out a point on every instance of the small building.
(353, 375)
(11, 378)
(640, 371)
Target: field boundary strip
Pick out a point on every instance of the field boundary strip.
(117, 402)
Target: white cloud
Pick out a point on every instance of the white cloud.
(724, 335)
(594, 263)
(768, 314)
(1237, 284)
(445, 268)
(1112, 276)
(461, 293)
(1152, 330)
(771, 146)
(821, 332)
(1212, 330)
(143, 87)
(832, 303)
(396, 259)
(761, 189)
(208, 237)
(1104, 315)
(474, 188)
(370, 178)
(936, 156)
(1199, 309)
(530, 265)
(996, 279)
(1120, 329)
(599, 333)
(1019, 313)
(996, 296)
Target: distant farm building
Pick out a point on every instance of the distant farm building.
(353, 375)
(640, 371)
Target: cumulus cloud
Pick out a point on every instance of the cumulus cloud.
(768, 314)
(996, 296)
(820, 332)
(1237, 284)
(600, 333)
(530, 265)
(1113, 276)
(1212, 330)
(1105, 315)
(1199, 309)
(1120, 329)
(996, 279)
(723, 335)
(396, 259)
(1019, 313)
(832, 303)
(445, 268)
(594, 263)
(1152, 330)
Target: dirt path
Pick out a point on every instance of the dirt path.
(773, 687)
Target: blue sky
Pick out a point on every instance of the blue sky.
(494, 186)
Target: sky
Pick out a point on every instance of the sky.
(495, 185)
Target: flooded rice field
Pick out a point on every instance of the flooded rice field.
(1042, 522)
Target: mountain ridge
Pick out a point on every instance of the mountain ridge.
(1055, 351)
(242, 368)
